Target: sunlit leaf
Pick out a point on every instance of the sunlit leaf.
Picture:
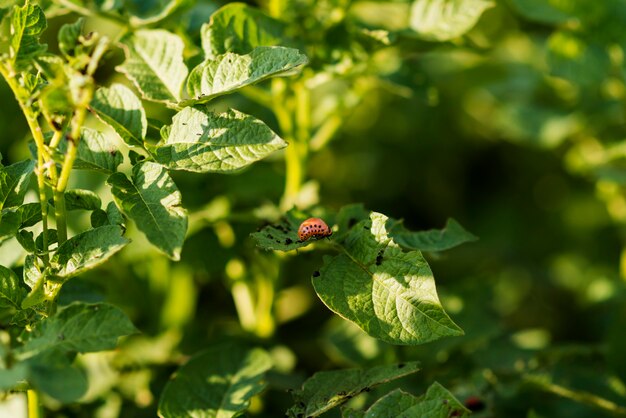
(154, 63)
(87, 250)
(387, 292)
(239, 28)
(442, 20)
(229, 72)
(119, 108)
(153, 201)
(202, 141)
(27, 24)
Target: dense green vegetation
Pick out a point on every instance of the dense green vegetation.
(158, 158)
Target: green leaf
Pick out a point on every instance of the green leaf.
(9, 223)
(202, 141)
(282, 236)
(10, 289)
(27, 24)
(451, 236)
(52, 239)
(154, 63)
(14, 181)
(30, 214)
(87, 250)
(35, 279)
(79, 327)
(153, 201)
(95, 152)
(328, 389)
(55, 375)
(216, 383)
(546, 11)
(69, 35)
(11, 377)
(239, 28)
(81, 199)
(388, 293)
(229, 72)
(442, 20)
(576, 59)
(119, 108)
(26, 240)
(436, 403)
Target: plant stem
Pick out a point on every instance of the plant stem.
(42, 155)
(34, 409)
(70, 156)
(582, 397)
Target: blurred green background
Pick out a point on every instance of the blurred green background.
(515, 129)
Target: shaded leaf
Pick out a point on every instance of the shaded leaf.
(55, 375)
(9, 223)
(388, 293)
(442, 20)
(202, 141)
(14, 181)
(229, 72)
(239, 28)
(216, 383)
(87, 250)
(154, 63)
(11, 291)
(119, 108)
(79, 327)
(69, 35)
(153, 201)
(282, 236)
(34, 278)
(26, 240)
(436, 403)
(81, 199)
(30, 214)
(328, 389)
(452, 235)
(95, 152)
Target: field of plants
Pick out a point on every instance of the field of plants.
(301, 208)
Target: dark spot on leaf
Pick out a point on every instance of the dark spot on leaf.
(113, 153)
(184, 123)
(342, 393)
(366, 389)
(379, 257)
(270, 236)
(445, 401)
(366, 227)
(351, 222)
(288, 241)
(401, 365)
(316, 274)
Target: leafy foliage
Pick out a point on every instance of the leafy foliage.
(421, 109)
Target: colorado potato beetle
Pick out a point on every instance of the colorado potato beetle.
(313, 228)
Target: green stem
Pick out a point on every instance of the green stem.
(70, 156)
(42, 155)
(582, 397)
(34, 409)
(265, 324)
